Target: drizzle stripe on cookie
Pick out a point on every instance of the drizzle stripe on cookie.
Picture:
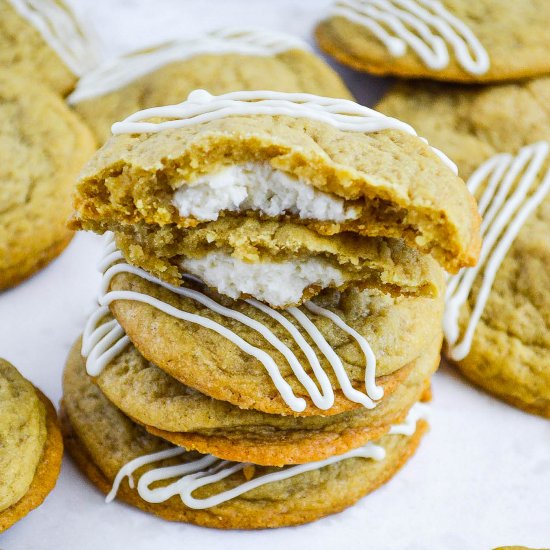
(208, 469)
(423, 25)
(116, 73)
(61, 30)
(100, 341)
(200, 107)
(513, 192)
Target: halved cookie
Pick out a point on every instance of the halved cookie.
(202, 171)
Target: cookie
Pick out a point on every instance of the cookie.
(107, 445)
(192, 420)
(43, 147)
(44, 40)
(220, 61)
(454, 40)
(330, 166)
(31, 450)
(472, 124)
(318, 359)
(498, 315)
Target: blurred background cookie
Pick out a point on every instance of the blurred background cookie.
(44, 40)
(220, 61)
(456, 40)
(43, 145)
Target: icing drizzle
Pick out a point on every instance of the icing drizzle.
(425, 26)
(103, 342)
(208, 469)
(200, 107)
(507, 202)
(61, 30)
(116, 73)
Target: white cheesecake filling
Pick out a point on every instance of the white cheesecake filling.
(278, 284)
(258, 186)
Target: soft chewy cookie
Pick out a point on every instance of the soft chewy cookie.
(498, 316)
(103, 441)
(43, 39)
(167, 408)
(313, 360)
(235, 187)
(472, 124)
(43, 146)
(220, 61)
(456, 40)
(31, 446)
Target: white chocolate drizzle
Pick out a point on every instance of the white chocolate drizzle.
(59, 27)
(201, 106)
(103, 342)
(119, 72)
(208, 469)
(512, 193)
(425, 26)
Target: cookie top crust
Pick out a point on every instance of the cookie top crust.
(43, 146)
(44, 40)
(444, 40)
(22, 433)
(398, 186)
(220, 61)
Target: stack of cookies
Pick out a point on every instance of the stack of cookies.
(271, 305)
(497, 319)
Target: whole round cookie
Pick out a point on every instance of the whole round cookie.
(43, 39)
(455, 40)
(498, 314)
(43, 145)
(31, 449)
(187, 418)
(219, 61)
(318, 359)
(107, 445)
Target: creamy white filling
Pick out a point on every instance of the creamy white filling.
(278, 284)
(258, 186)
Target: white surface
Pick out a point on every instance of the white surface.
(480, 479)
